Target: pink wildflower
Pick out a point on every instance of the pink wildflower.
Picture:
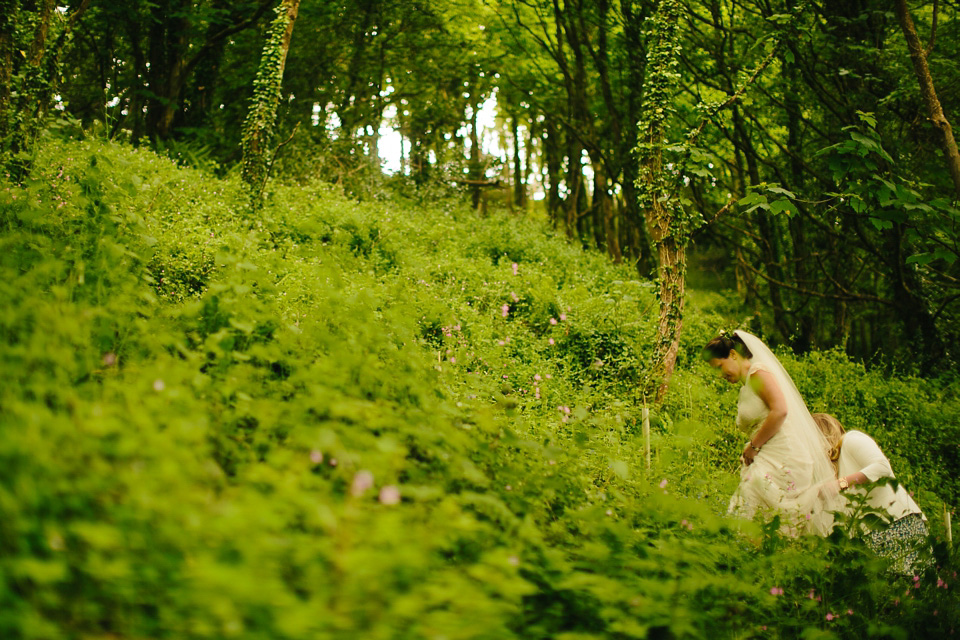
(515, 297)
(663, 483)
(390, 495)
(316, 456)
(553, 321)
(537, 377)
(505, 310)
(776, 591)
(453, 361)
(361, 482)
(551, 341)
(516, 268)
(849, 612)
(830, 616)
(563, 317)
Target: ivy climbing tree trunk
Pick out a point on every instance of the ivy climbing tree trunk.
(38, 82)
(656, 188)
(258, 128)
(9, 11)
(934, 110)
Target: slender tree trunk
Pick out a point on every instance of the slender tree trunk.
(919, 58)
(604, 201)
(921, 330)
(519, 188)
(634, 14)
(574, 199)
(261, 119)
(475, 170)
(554, 158)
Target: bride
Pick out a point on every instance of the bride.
(784, 462)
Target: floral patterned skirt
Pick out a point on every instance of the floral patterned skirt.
(903, 543)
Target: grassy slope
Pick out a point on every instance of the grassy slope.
(196, 404)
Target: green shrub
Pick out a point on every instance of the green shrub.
(357, 420)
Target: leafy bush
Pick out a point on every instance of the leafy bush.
(371, 420)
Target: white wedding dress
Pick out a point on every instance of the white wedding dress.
(781, 473)
(788, 472)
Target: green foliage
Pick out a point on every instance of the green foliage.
(360, 420)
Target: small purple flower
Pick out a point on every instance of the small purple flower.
(505, 310)
(553, 321)
(516, 268)
(663, 483)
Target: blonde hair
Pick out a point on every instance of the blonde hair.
(833, 431)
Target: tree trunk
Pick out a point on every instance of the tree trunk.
(519, 188)
(919, 58)
(554, 161)
(666, 219)
(475, 170)
(604, 201)
(261, 119)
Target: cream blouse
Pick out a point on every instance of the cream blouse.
(859, 452)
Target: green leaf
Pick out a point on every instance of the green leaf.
(783, 206)
(783, 192)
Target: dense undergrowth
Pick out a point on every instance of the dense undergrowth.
(391, 420)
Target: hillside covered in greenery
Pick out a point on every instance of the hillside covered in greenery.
(394, 418)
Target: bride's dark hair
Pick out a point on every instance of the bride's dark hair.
(721, 346)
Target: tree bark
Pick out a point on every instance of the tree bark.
(934, 110)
